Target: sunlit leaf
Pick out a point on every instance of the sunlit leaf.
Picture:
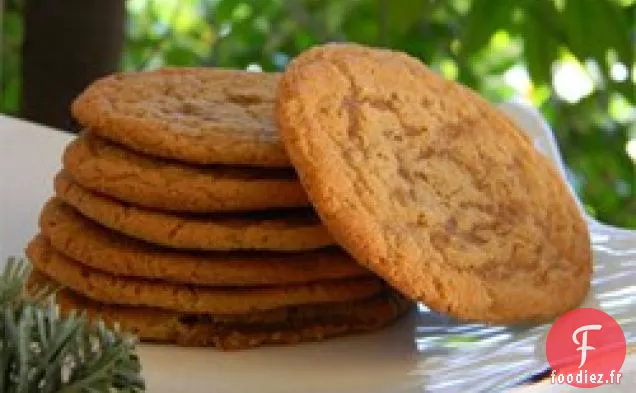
(592, 27)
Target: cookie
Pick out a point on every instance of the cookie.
(155, 183)
(197, 115)
(106, 288)
(290, 315)
(302, 323)
(432, 188)
(289, 230)
(93, 245)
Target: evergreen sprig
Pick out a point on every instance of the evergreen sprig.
(42, 352)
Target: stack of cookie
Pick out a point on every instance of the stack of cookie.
(177, 216)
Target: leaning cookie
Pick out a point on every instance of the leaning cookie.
(433, 189)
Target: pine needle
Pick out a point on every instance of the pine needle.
(41, 352)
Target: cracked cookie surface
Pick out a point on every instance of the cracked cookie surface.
(433, 189)
(197, 115)
(289, 230)
(106, 288)
(93, 245)
(155, 183)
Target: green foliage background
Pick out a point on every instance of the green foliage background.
(476, 42)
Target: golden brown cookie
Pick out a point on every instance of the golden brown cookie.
(291, 325)
(88, 243)
(197, 115)
(429, 186)
(155, 183)
(290, 315)
(106, 288)
(289, 230)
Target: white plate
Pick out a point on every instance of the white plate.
(424, 352)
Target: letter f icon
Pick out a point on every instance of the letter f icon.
(584, 347)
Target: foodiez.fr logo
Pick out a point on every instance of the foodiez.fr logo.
(586, 348)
